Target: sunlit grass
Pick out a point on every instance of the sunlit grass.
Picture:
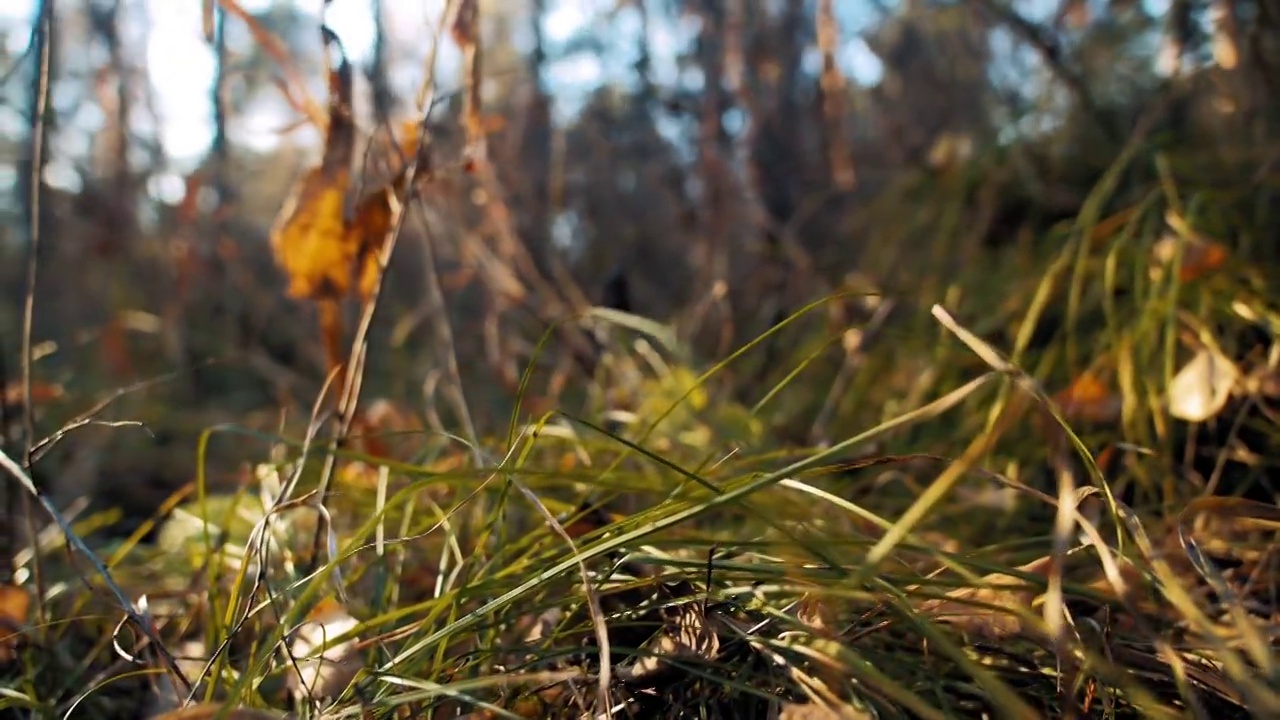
(952, 541)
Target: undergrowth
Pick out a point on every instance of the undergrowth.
(983, 507)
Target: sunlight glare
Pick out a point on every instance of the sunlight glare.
(181, 68)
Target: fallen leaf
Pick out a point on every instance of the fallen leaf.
(1202, 387)
(988, 609)
(589, 519)
(41, 393)
(322, 668)
(537, 628)
(1087, 398)
(14, 605)
(687, 635)
(383, 429)
(816, 613)
(815, 711)
(1200, 257)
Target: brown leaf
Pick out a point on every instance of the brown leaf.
(331, 337)
(817, 613)
(41, 393)
(815, 711)
(386, 430)
(988, 609)
(589, 519)
(466, 33)
(326, 251)
(687, 635)
(324, 668)
(312, 240)
(1201, 256)
(14, 604)
(1088, 398)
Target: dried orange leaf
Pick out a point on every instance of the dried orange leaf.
(310, 240)
(14, 604)
(1087, 398)
(327, 252)
(588, 520)
(816, 613)
(1200, 255)
(41, 393)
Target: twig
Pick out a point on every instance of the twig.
(463, 17)
(594, 609)
(295, 89)
(354, 370)
(134, 616)
(90, 416)
(1050, 51)
(40, 107)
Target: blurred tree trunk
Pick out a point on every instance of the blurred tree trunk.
(202, 267)
(644, 60)
(383, 98)
(713, 317)
(118, 199)
(533, 197)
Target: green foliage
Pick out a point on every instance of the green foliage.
(959, 482)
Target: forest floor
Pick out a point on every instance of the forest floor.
(1050, 500)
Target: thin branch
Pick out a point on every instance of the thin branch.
(1051, 52)
(138, 618)
(354, 367)
(40, 106)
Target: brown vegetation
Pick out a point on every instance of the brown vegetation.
(552, 401)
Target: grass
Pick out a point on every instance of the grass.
(960, 537)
